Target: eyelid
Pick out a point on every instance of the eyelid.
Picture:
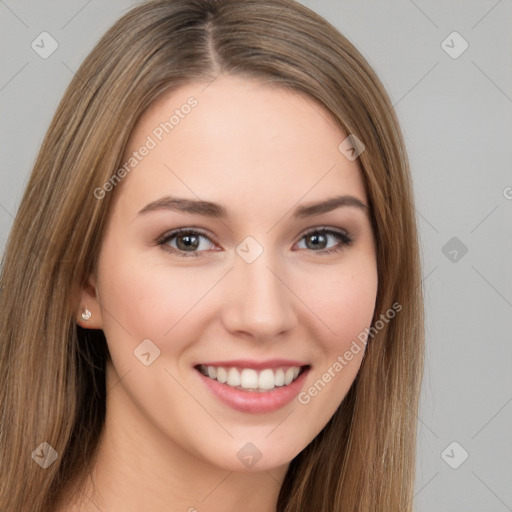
(347, 238)
(168, 235)
(316, 229)
(180, 231)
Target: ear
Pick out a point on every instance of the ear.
(88, 300)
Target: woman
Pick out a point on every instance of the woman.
(211, 294)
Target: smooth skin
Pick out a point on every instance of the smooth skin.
(260, 151)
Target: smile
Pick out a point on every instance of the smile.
(250, 379)
(254, 387)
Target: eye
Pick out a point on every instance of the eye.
(317, 239)
(185, 242)
(190, 242)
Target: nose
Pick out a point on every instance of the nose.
(260, 302)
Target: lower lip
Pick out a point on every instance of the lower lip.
(255, 402)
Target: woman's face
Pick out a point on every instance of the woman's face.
(251, 288)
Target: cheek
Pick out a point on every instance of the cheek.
(150, 300)
(342, 308)
(345, 303)
(141, 300)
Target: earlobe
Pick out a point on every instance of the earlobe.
(88, 314)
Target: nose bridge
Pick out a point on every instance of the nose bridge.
(260, 302)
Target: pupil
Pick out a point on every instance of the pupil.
(188, 243)
(316, 239)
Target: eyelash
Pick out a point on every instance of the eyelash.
(345, 240)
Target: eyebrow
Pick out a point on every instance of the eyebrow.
(214, 210)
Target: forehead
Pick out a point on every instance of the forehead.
(238, 141)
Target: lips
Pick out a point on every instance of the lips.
(252, 386)
(256, 365)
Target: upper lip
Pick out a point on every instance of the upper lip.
(257, 365)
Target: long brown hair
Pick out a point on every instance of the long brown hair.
(52, 373)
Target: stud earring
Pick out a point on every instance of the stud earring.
(86, 314)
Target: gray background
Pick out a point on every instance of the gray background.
(456, 117)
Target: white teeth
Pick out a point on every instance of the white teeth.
(279, 378)
(222, 374)
(266, 380)
(288, 376)
(233, 377)
(248, 378)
